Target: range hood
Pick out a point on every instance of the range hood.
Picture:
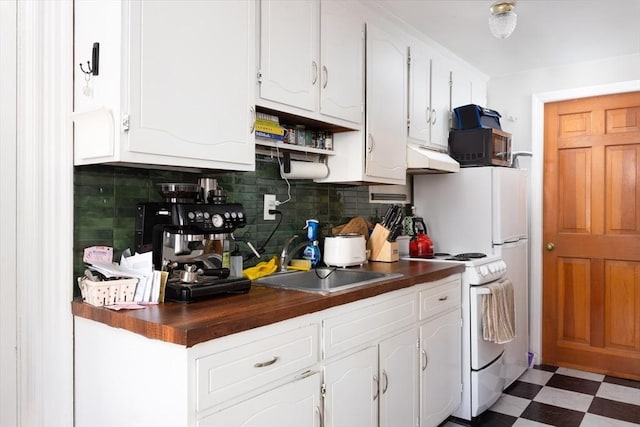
(423, 160)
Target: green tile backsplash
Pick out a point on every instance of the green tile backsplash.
(105, 199)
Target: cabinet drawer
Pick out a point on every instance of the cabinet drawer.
(358, 326)
(225, 375)
(440, 298)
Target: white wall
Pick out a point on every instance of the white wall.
(520, 99)
(511, 95)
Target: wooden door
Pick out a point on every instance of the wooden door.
(591, 226)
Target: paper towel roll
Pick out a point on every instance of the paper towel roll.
(307, 170)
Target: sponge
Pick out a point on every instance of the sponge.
(300, 264)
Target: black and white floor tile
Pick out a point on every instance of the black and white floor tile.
(547, 395)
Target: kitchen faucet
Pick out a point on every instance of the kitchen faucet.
(286, 254)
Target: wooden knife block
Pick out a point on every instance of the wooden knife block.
(381, 249)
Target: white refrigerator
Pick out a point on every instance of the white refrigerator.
(484, 209)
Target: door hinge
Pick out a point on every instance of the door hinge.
(418, 343)
(125, 122)
(323, 390)
(259, 76)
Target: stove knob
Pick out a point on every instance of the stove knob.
(484, 270)
(233, 215)
(206, 215)
(503, 265)
(217, 220)
(191, 215)
(492, 268)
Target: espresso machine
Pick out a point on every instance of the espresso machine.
(190, 240)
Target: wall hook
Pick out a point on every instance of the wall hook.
(95, 59)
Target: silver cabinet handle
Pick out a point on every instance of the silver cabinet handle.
(253, 124)
(320, 416)
(369, 143)
(444, 298)
(326, 76)
(315, 72)
(386, 381)
(424, 358)
(434, 116)
(267, 363)
(375, 380)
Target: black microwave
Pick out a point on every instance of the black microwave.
(480, 147)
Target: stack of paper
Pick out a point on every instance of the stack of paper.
(150, 287)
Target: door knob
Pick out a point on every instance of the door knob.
(550, 246)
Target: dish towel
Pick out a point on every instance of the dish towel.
(261, 269)
(498, 313)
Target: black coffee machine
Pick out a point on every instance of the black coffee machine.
(190, 240)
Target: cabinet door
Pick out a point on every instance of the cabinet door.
(342, 61)
(441, 364)
(295, 404)
(191, 80)
(399, 380)
(352, 394)
(461, 89)
(419, 105)
(289, 52)
(440, 102)
(386, 137)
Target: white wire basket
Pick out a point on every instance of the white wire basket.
(107, 292)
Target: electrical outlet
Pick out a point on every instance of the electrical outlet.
(269, 204)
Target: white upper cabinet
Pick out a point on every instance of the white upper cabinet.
(429, 97)
(386, 135)
(312, 60)
(175, 84)
(342, 61)
(289, 49)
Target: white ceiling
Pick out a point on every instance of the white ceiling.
(548, 33)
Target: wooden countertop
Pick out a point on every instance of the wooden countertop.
(190, 324)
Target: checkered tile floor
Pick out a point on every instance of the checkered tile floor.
(546, 395)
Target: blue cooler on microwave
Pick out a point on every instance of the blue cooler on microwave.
(473, 116)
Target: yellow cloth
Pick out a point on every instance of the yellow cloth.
(261, 269)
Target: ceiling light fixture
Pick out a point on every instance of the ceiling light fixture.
(503, 19)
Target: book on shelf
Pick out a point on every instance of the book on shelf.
(270, 136)
(269, 127)
(267, 117)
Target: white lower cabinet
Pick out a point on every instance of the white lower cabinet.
(376, 386)
(391, 361)
(351, 390)
(441, 354)
(398, 377)
(292, 405)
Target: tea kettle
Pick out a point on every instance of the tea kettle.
(421, 245)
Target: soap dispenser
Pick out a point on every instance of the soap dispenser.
(312, 250)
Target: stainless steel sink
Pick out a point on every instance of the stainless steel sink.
(324, 280)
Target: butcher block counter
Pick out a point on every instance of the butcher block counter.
(190, 324)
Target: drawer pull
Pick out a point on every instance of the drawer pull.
(444, 298)
(267, 363)
(424, 356)
(386, 381)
